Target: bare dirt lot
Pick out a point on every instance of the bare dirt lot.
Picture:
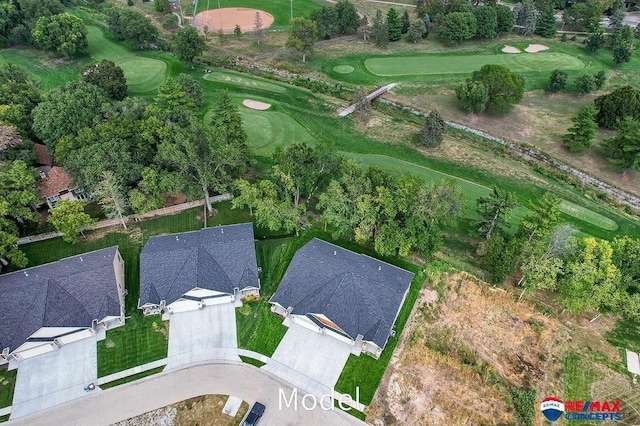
(228, 17)
(460, 356)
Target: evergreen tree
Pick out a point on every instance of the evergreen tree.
(472, 96)
(394, 22)
(600, 79)
(495, 209)
(258, 31)
(616, 20)
(433, 130)
(623, 149)
(406, 22)
(226, 124)
(546, 25)
(585, 84)
(557, 81)
(623, 45)
(579, 136)
(416, 30)
(595, 41)
(380, 30)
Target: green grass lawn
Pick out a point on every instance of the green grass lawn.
(46, 70)
(625, 335)
(280, 9)
(7, 385)
(587, 215)
(244, 80)
(463, 64)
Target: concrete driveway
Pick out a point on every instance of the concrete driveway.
(309, 360)
(55, 377)
(203, 335)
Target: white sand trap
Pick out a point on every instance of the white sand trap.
(511, 49)
(261, 106)
(533, 48)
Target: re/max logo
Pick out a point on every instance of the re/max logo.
(591, 406)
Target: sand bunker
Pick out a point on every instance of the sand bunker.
(511, 49)
(227, 18)
(533, 48)
(260, 106)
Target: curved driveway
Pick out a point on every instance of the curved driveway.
(241, 380)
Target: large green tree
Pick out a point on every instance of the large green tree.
(472, 96)
(32, 10)
(69, 218)
(132, 26)
(431, 133)
(623, 45)
(495, 209)
(557, 81)
(180, 91)
(544, 215)
(394, 23)
(546, 25)
(66, 110)
(187, 44)
(111, 196)
(505, 18)
(19, 94)
(623, 149)
(584, 16)
(487, 22)
(325, 19)
(617, 105)
(108, 76)
(504, 88)
(303, 34)
(580, 135)
(380, 30)
(64, 34)
(226, 123)
(347, 19)
(457, 27)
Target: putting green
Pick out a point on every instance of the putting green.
(268, 129)
(143, 74)
(587, 215)
(343, 69)
(464, 64)
(246, 82)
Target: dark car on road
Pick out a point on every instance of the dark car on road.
(254, 415)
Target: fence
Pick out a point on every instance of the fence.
(135, 217)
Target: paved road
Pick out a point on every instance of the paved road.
(241, 380)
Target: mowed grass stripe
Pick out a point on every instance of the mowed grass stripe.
(463, 64)
(587, 215)
(268, 129)
(244, 81)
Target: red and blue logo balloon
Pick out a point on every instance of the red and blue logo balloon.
(552, 408)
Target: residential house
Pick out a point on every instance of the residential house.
(47, 306)
(190, 270)
(55, 183)
(350, 296)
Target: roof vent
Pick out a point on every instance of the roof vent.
(177, 239)
(26, 274)
(222, 230)
(379, 268)
(43, 175)
(81, 259)
(335, 253)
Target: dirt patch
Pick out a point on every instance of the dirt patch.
(260, 106)
(535, 48)
(511, 49)
(454, 354)
(227, 18)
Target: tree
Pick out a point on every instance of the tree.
(394, 22)
(457, 27)
(543, 217)
(132, 26)
(427, 25)
(600, 79)
(19, 94)
(616, 20)
(416, 32)
(181, 91)
(623, 44)
(584, 16)
(579, 136)
(487, 22)
(472, 96)
(147, 195)
(273, 213)
(226, 123)
(69, 217)
(258, 31)
(17, 192)
(347, 19)
(325, 19)
(303, 34)
(505, 89)
(623, 149)
(499, 257)
(66, 110)
(110, 195)
(585, 84)
(10, 18)
(615, 106)
(363, 105)
(201, 156)
(528, 17)
(546, 25)
(595, 41)
(187, 44)
(494, 210)
(591, 280)
(432, 131)
(64, 34)
(406, 22)
(380, 30)
(246, 195)
(161, 6)
(626, 257)
(505, 18)
(364, 29)
(32, 10)
(107, 76)
(557, 81)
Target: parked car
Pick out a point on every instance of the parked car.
(254, 415)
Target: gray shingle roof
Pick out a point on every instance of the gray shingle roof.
(219, 259)
(71, 292)
(358, 293)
